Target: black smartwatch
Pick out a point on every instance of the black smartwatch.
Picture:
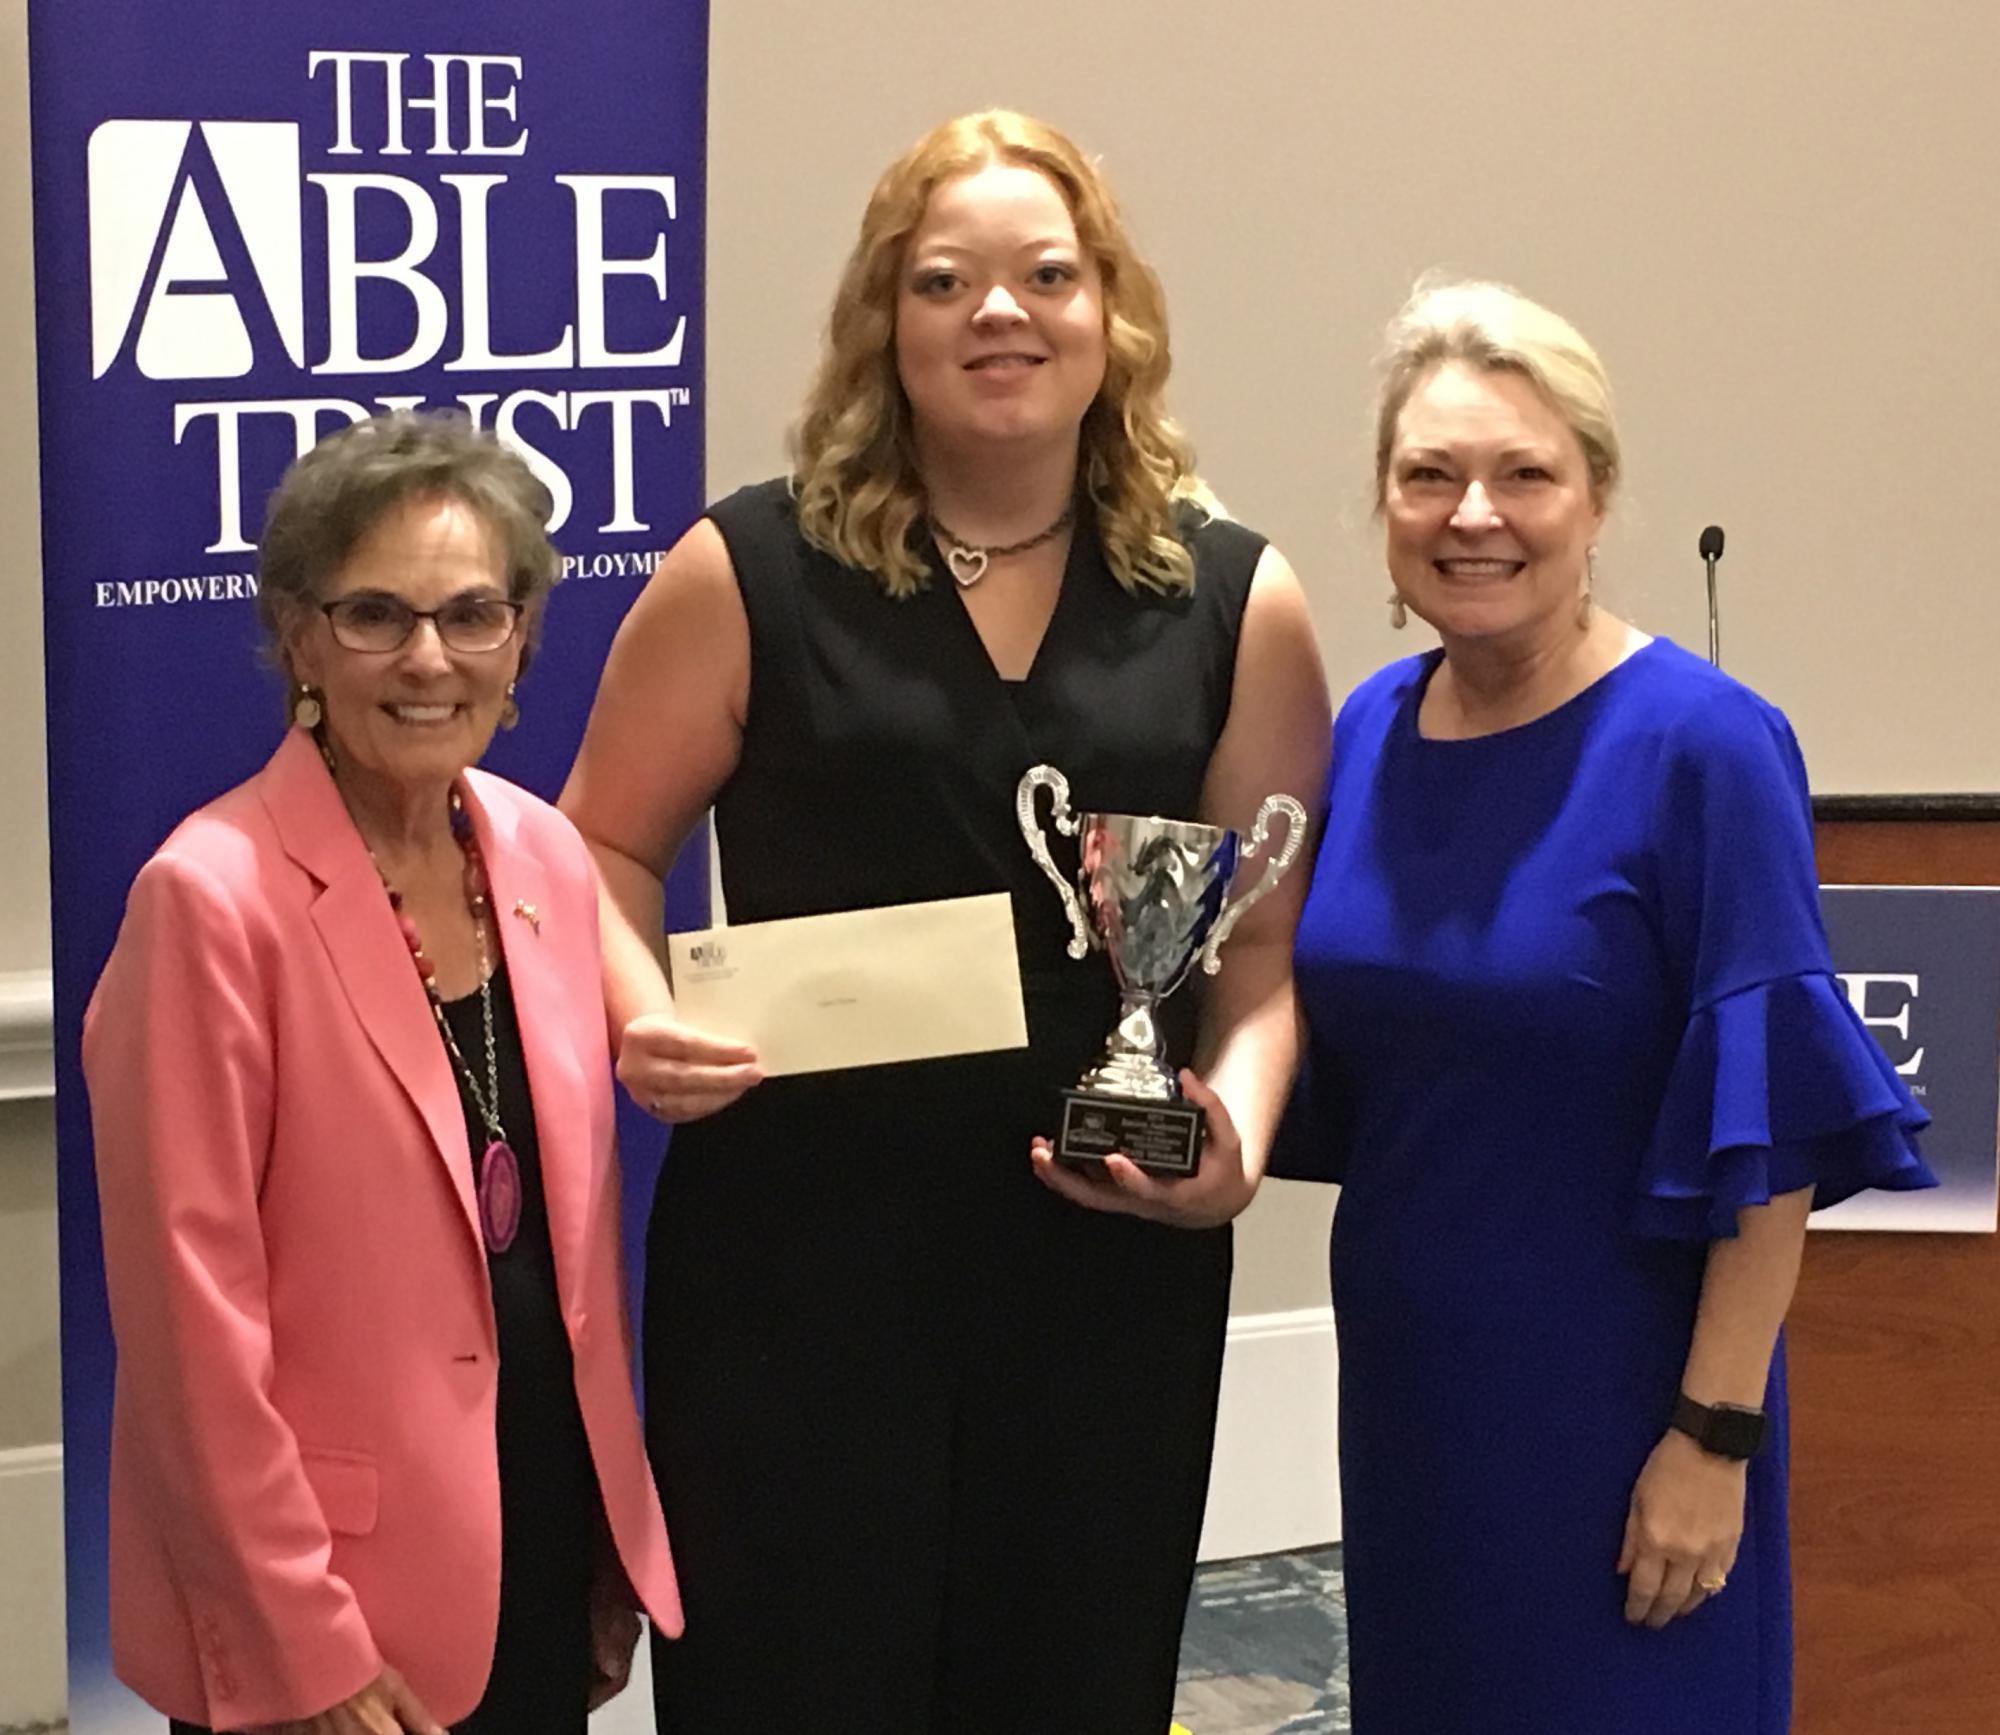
(1731, 1431)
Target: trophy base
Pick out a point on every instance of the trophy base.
(1162, 1138)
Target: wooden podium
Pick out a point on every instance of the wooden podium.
(1895, 1387)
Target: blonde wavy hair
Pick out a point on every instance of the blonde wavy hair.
(1492, 327)
(854, 470)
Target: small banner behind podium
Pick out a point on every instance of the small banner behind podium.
(1921, 967)
(253, 225)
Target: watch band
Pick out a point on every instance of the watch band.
(1731, 1431)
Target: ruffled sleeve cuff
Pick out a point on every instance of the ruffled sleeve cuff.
(1776, 1087)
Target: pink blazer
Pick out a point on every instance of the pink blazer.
(303, 1474)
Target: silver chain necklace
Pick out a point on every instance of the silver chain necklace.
(487, 1101)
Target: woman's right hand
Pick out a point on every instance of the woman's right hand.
(677, 1073)
(386, 1706)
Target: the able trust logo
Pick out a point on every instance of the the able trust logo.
(168, 198)
(356, 255)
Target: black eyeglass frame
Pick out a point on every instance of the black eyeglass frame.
(434, 615)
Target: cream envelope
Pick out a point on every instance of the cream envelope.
(859, 987)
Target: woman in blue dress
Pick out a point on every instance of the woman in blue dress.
(1578, 1057)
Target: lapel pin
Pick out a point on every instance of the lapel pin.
(529, 914)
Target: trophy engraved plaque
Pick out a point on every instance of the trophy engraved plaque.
(1152, 894)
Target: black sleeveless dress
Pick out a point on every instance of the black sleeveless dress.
(933, 1442)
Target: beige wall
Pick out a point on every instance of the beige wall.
(24, 850)
(30, 1401)
(1774, 220)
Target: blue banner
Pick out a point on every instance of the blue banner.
(254, 224)
(1921, 968)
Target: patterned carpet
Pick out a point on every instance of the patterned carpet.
(1264, 1653)
(1265, 1648)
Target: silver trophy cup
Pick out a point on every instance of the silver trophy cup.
(1154, 898)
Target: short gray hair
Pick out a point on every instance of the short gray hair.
(1490, 327)
(340, 490)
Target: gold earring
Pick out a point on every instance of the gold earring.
(1589, 586)
(510, 713)
(306, 708)
(1399, 610)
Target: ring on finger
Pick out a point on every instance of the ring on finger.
(1713, 1582)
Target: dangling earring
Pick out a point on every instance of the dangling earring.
(306, 708)
(1399, 610)
(510, 713)
(1589, 585)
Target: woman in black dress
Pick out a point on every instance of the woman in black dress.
(933, 1438)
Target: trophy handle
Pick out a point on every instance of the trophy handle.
(1047, 776)
(1295, 835)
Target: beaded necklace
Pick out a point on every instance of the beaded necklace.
(499, 1185)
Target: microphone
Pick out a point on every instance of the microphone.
(1711, 552)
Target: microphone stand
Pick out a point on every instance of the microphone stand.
(1711, 552)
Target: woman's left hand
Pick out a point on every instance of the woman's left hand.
(1218, 1189)
(1682, 1532)
(614, 1636)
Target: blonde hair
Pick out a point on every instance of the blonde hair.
(854, 472)
(1491, 327)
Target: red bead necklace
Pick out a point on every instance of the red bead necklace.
(499, 1178)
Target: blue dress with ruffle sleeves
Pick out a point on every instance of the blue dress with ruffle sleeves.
(1570, 1007)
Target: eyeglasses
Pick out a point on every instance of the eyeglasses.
(378, 624)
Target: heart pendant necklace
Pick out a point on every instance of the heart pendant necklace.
(967, 561)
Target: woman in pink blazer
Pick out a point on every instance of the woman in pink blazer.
(376, 1464)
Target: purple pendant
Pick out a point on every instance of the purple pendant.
(499, 1196)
